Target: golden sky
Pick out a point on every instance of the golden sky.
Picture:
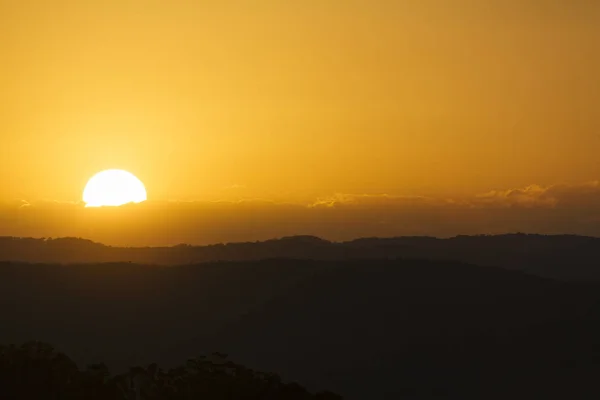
(296, 100)
(555, 209)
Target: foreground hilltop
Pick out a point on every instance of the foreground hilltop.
(567, 257)
(35, 370)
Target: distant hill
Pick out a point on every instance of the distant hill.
(567, 257)
(366, 329)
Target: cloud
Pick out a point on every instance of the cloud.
(539, 196)
(345, 199)
(530, 196)
(560, 208)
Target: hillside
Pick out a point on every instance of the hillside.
(373, 329)
(567, 257)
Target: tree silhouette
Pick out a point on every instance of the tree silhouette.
(35, 370)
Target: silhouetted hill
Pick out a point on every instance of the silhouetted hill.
(427, 329)
(561, 256)
(35, 371)
(367, 329)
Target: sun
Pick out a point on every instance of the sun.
(113, 187)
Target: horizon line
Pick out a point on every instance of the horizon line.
(479, 235)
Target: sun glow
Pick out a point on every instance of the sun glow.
(113, 187)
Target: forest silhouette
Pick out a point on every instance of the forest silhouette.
(381, 328)
(36, 370)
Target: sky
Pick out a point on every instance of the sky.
(293, 102)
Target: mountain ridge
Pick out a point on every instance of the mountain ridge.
(565, 257)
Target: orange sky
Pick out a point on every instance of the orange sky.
(296, 100)
(557, 209)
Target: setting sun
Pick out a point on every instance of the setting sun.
(113, 187)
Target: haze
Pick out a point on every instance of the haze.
(299, 101)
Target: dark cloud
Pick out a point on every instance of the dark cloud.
(560, 208)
